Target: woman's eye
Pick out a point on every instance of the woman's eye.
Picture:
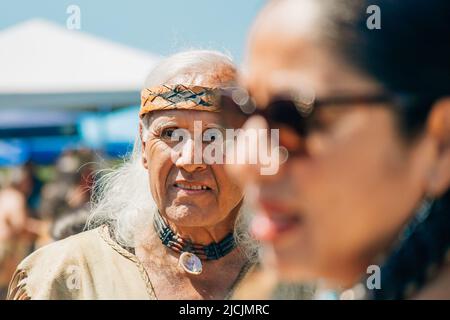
(326, 120)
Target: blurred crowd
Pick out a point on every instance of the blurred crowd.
(36, 210)
(358, 209)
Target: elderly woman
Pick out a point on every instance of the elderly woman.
(362, 201)
(167, 226)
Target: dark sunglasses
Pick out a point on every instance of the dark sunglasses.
(297, 113)
(284, 110)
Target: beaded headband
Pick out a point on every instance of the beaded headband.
(169, 97)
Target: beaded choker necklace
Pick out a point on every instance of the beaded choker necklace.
(191, 253)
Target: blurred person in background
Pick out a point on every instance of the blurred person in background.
(66, 200)
(365, 117)
(19, 227)
(72, 185)
(33, 215)
(162, 227)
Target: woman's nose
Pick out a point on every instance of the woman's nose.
(191, 156)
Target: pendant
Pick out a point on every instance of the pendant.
(190, 263)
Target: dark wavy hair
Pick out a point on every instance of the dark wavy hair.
(409, 55)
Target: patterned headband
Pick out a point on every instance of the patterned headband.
(169, 97)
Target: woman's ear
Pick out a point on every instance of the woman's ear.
(438, 128)
(143, 145)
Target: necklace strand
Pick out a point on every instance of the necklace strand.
(212, 251)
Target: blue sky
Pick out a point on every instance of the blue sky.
(162, 27)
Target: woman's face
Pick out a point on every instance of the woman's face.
(330, 212)
(188, 192)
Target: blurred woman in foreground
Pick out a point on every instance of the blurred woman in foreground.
(365, 117)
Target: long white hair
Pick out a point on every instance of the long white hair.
(122, 197)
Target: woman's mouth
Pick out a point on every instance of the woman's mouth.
(269, 226)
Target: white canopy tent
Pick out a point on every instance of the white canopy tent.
(46, 66)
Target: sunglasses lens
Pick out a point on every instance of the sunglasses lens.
(285, 113)
(237, 106)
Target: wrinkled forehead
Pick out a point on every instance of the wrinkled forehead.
(185, 118)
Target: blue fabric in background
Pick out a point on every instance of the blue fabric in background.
(42, 137)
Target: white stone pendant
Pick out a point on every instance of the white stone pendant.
(190, 263)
